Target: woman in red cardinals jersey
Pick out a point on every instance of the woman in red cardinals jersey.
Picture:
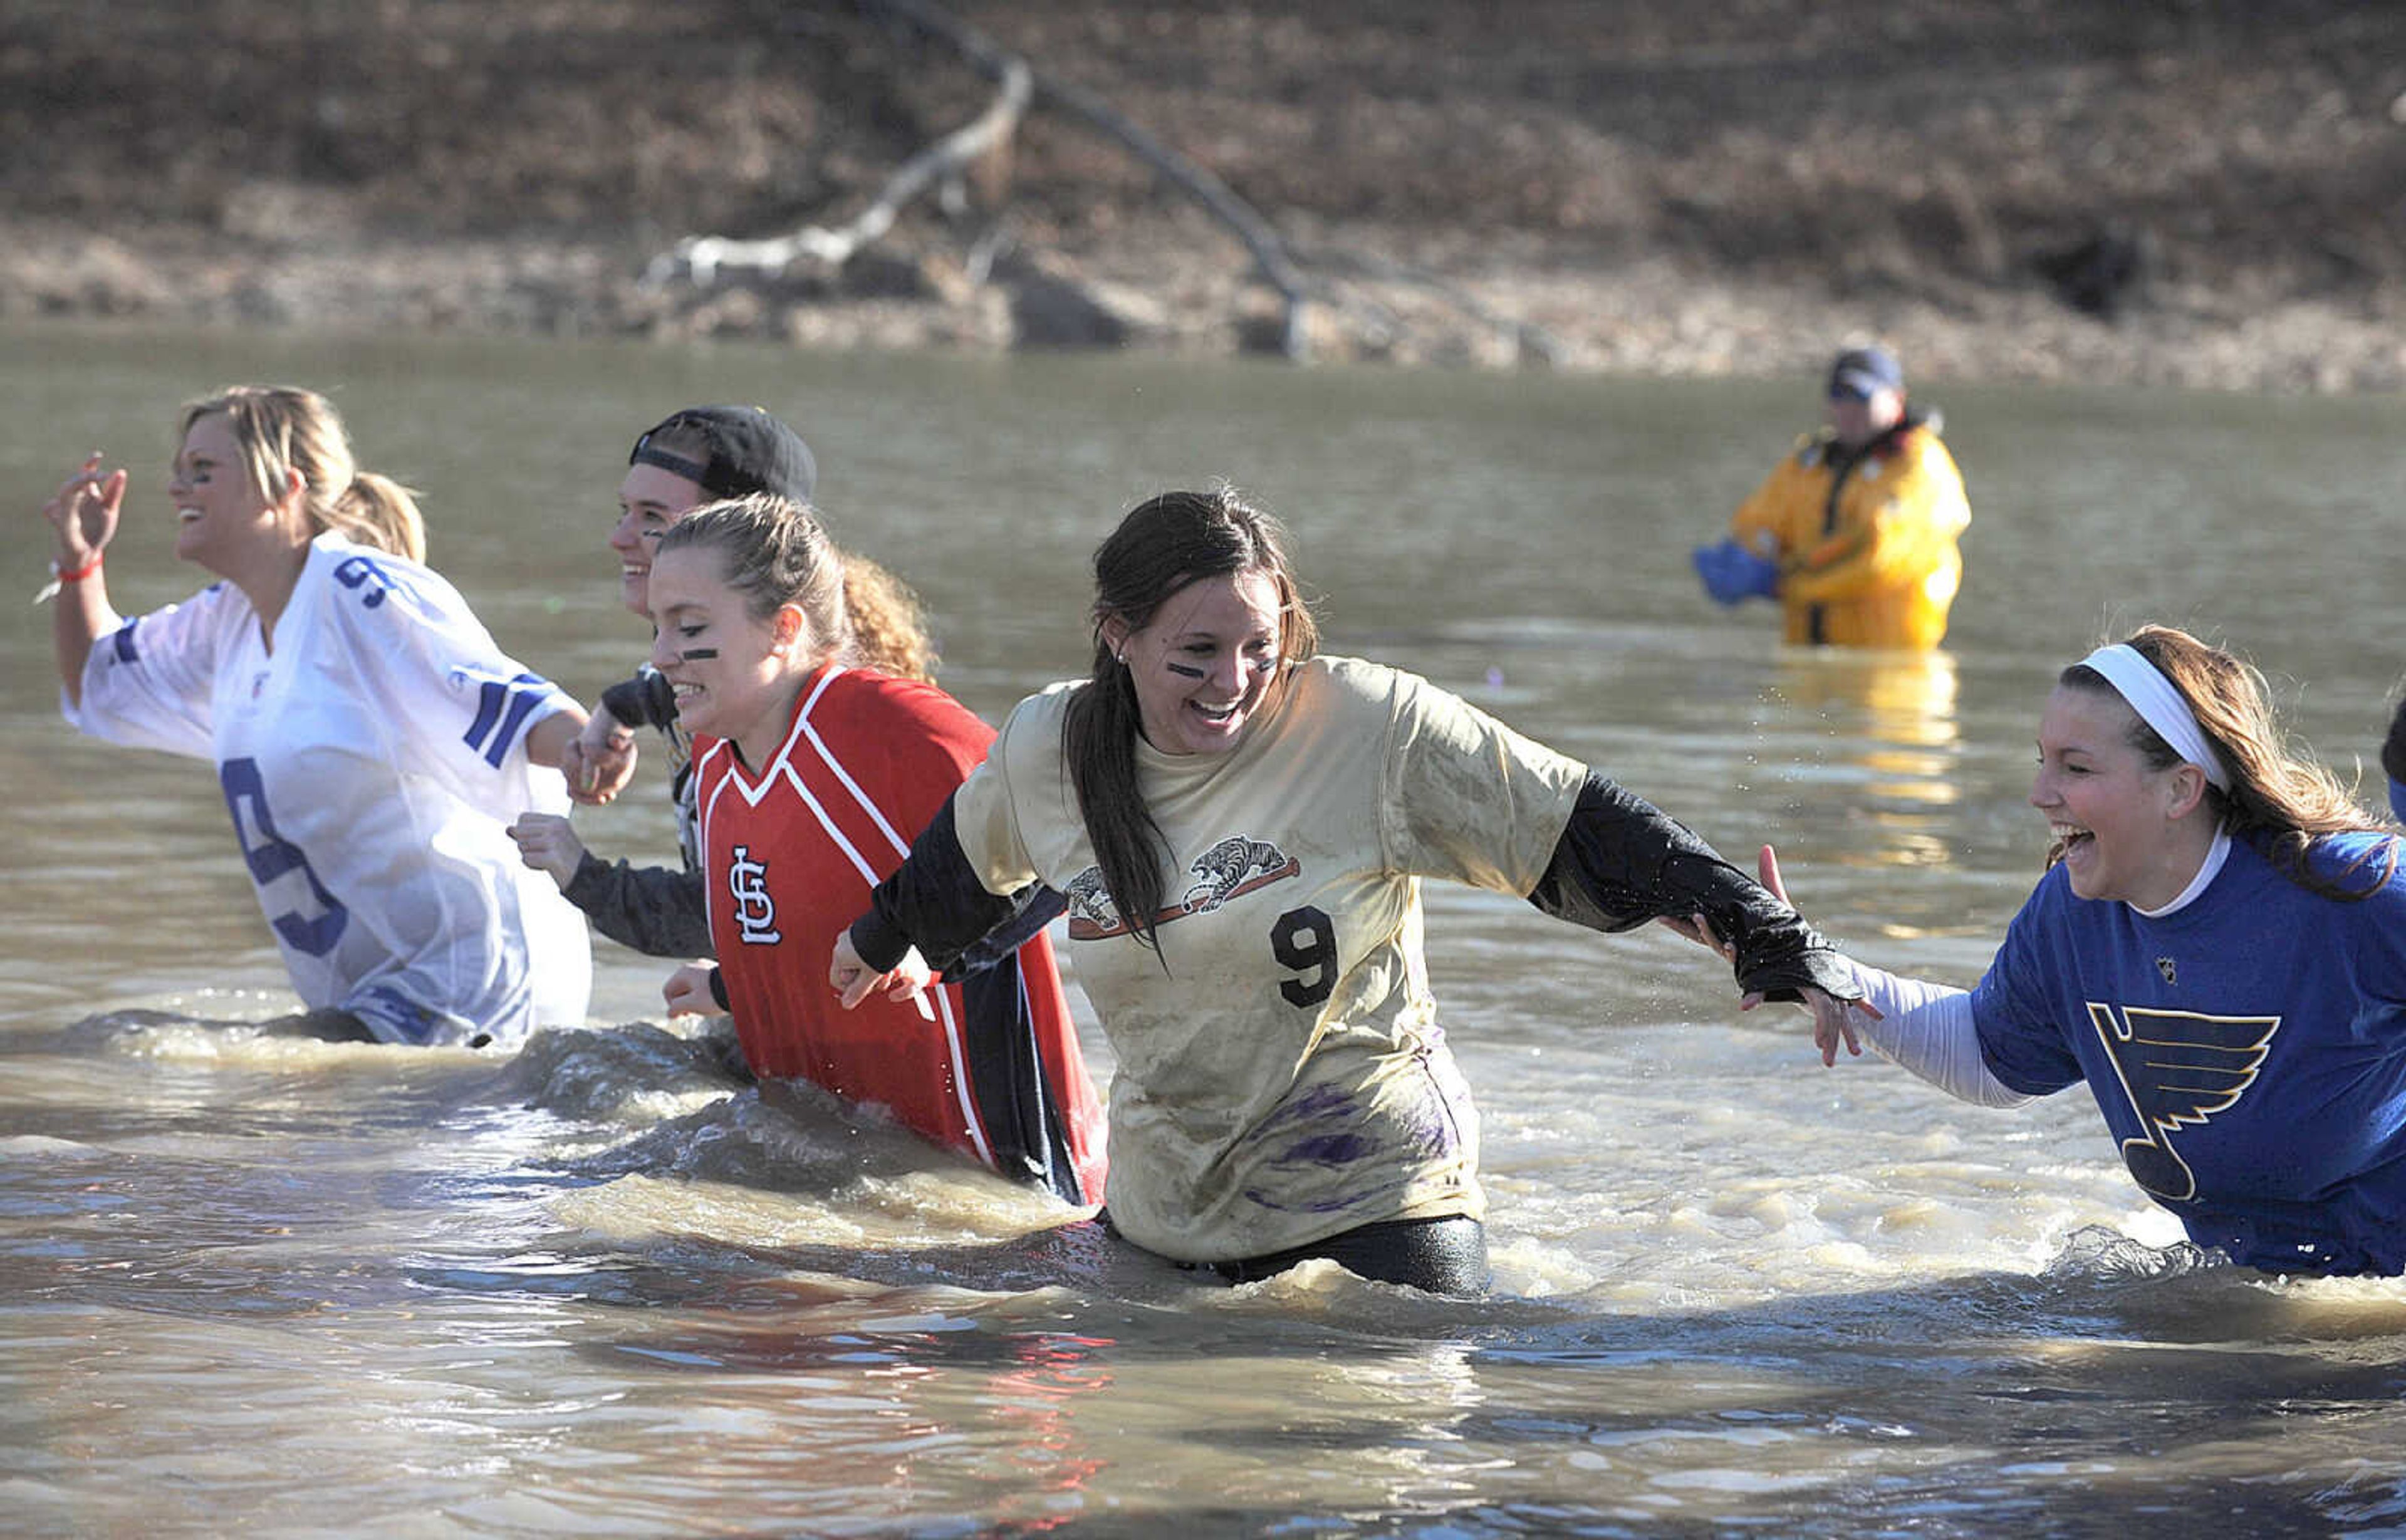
(811, 779)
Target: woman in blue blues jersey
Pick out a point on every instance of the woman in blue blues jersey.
(2217, 949)
(371, 741)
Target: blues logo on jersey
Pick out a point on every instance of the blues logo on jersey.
(2178, 1068)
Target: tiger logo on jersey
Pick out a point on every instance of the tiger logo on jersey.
(2178, 1068)
(1230, 868)
(756, 912)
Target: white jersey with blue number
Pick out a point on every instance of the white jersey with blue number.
(372, 762)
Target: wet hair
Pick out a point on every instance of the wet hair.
(775, 552)
(2279, 801)
(1160, 546)
(281, 429)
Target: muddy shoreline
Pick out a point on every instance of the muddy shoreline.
(1677, 193)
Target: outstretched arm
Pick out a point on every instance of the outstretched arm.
(548, 738)
(1622, 862)
(1928, 1028)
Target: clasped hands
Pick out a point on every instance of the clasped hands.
(1833, 1019)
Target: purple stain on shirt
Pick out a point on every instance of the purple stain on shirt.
(1341, 1149)
(1317, 1104)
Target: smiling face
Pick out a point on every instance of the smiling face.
(650, 499)
(735, 675)
(1205, 663)
(223, 522)
(2127, 831)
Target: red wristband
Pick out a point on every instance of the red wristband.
(75, 575)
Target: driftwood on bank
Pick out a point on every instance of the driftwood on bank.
(704, 259)
(701, 258)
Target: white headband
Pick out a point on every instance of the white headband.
(2159, 705)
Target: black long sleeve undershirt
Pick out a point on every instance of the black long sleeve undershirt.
(935, 902)
(661, 911)
(1620, 862)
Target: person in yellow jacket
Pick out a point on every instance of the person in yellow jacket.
(1855, 533)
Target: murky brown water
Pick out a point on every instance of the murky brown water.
(601, 1289)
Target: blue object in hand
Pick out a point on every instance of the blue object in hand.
(1733, 574)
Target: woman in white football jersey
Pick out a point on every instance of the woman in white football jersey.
(371, 741)
(1241, 828)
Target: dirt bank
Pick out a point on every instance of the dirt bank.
(2192, 191)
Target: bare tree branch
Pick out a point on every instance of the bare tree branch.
(704, 256)
(1218, 199)
(1268, 251)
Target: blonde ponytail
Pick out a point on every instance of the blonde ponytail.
(376, 510)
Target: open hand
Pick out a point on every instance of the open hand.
(1832, 1018)
(83, 512)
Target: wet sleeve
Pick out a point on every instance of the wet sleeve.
(1466, 798)
(935, 901)
(645, 700)
(147, 684)
(1622, 862)
(2021, 1039)
(458, 706)
(1040, 907)
(1928, 1029)
(661, 911)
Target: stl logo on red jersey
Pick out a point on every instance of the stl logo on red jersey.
(756, 912)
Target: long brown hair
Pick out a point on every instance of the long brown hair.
(1160, 546)
(2278, 799)
(284, 429)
